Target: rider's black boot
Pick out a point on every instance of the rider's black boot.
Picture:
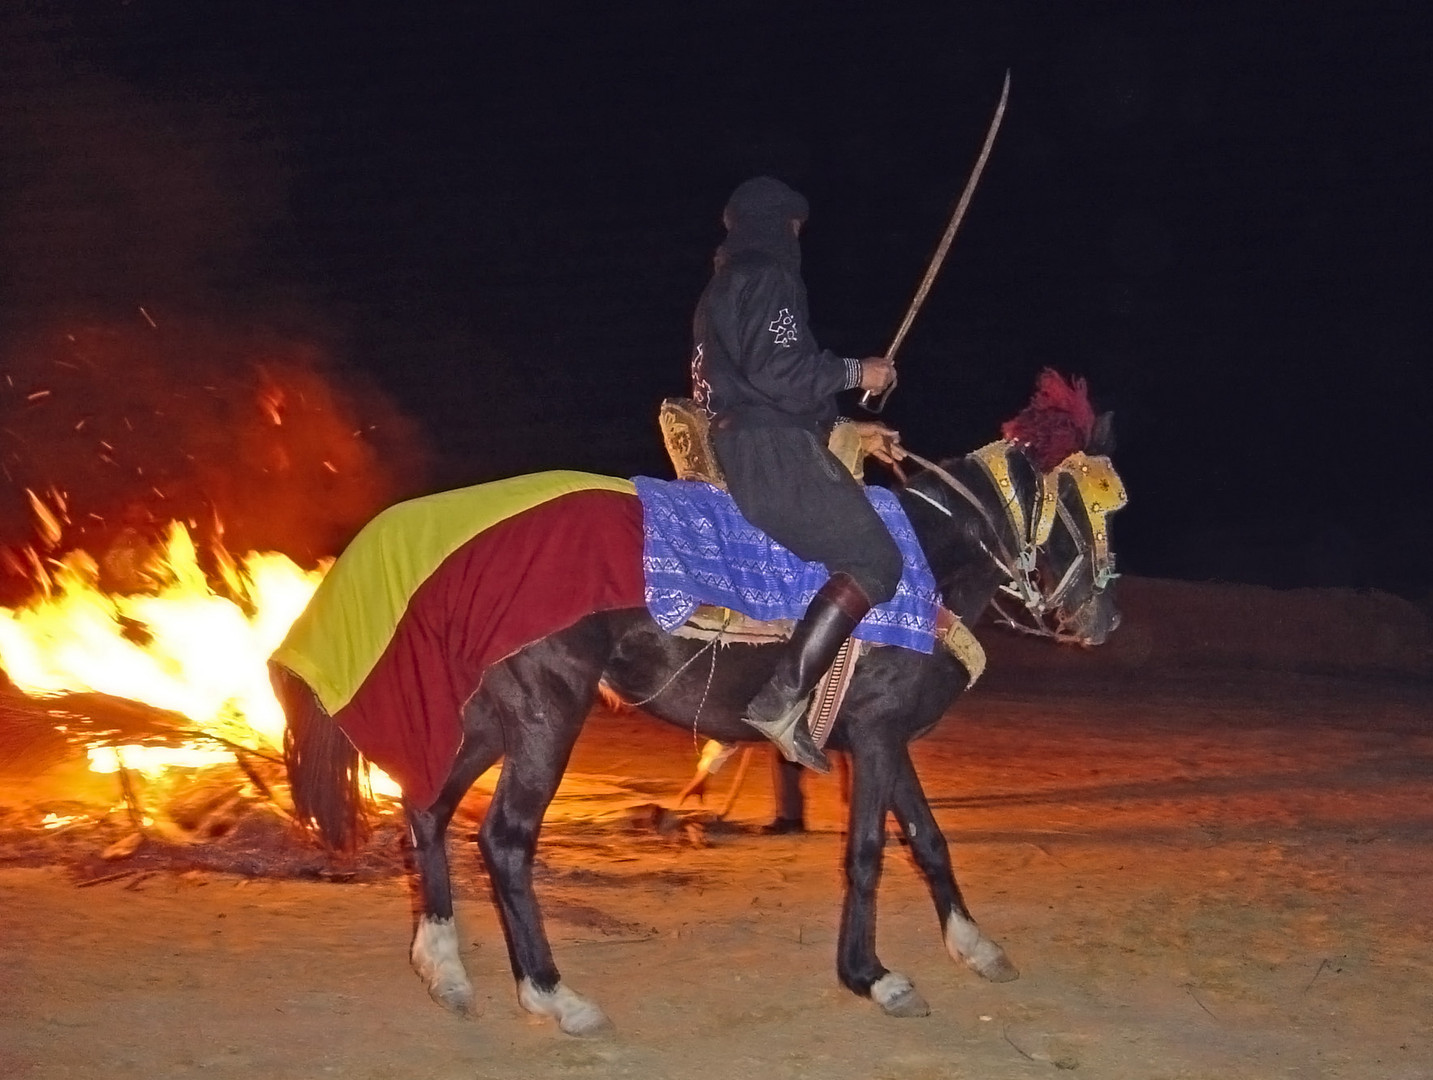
(778, 710)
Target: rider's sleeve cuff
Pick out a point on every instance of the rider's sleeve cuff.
(853, 372)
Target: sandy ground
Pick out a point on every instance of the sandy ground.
(1199, 875)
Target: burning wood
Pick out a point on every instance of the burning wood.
(230, 815)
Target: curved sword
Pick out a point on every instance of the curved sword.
(873, 402)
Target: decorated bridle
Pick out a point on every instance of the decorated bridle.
(1050, 432)
(1101, 493)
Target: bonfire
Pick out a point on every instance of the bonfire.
(145, 644)
(165, 689)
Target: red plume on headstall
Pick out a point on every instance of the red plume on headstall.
(1058, 421)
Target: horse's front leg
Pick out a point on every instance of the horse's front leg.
(435, 954)
(873, 774)
(964, 940)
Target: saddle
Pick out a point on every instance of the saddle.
(686, 433)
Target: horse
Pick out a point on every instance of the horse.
(993, 526)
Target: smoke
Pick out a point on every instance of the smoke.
(142, 377)
(111, 199)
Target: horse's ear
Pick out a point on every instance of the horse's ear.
(1102, 437)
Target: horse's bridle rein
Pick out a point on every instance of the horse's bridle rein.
(1101, 493)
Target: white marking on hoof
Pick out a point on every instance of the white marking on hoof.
(434, 957)
(966, 942)
(897, 996)
(575, 1014)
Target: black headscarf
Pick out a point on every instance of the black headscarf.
(758, 217)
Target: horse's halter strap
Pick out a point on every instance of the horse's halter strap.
(1101, 494)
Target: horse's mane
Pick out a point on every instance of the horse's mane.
(1058, 421)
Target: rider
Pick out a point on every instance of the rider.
(771, 395)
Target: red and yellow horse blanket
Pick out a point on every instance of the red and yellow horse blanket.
(434, 591)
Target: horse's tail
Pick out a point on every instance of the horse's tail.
(325, 772)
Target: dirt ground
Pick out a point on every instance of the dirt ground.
(1207, 845)
(1200, 874)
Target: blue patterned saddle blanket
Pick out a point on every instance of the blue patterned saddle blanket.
(698, 549)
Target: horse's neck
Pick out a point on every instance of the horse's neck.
(956, 535)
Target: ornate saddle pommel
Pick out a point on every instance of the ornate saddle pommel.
(687, 432)
(845, 443)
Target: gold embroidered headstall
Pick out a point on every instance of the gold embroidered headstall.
(1101, 493)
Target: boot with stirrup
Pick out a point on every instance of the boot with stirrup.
(779, 710)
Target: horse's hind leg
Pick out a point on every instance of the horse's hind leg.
(435, 955)
(542, 696)
(964, 940)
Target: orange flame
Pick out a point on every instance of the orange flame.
(182, 647)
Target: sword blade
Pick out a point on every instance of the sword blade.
(876, 402)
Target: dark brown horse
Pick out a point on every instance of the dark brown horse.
(978, 528)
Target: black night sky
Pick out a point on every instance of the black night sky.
(503, 213)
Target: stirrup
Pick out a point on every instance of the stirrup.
(793, 739)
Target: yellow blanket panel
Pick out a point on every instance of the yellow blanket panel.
(366, 592)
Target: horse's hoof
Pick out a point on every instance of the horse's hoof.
(457, 998)
(575, 1014)
(589, 1022)
(434, 957)
(897, 996)
(988, 960)
(967, 943)
(998, 970)
(907, 1005)
(784, 826)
